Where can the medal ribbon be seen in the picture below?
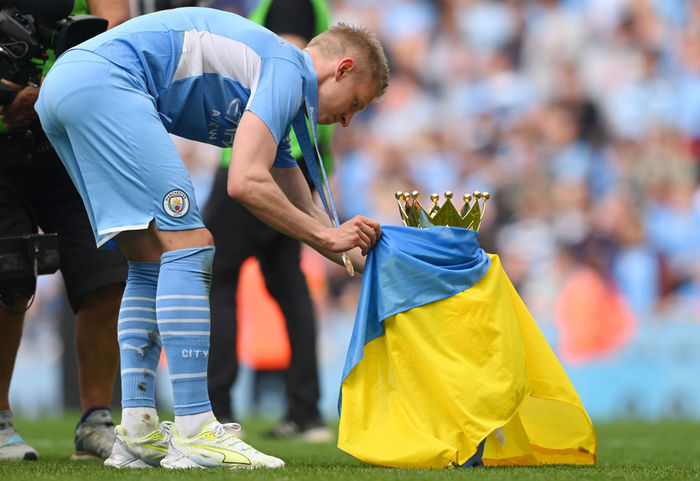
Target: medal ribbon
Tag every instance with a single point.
(307, 149)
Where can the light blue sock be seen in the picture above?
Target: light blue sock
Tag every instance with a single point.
(139, 341)
(182, 307)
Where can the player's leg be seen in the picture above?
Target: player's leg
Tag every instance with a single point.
(140, 441)
(101, 148)
(182, 306)
(142, 178)
(182, 309)
(197, 439)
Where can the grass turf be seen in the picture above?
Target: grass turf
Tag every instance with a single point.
(627, 450)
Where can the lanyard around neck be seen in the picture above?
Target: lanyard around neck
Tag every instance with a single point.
(314, 163)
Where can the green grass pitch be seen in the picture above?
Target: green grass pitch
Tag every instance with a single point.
(627, 450)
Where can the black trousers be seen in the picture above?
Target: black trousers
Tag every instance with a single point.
(238, 235)
(35, 191)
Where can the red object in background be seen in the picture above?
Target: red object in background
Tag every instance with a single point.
(593, 318)
(263, 343)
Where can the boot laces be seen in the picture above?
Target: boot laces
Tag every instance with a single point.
(224, 432)
(164, 428)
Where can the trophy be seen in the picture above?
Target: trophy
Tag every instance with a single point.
(413, 214)
(446, 367)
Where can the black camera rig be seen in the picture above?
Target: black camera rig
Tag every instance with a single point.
(28, 255)
(22, 259)
(30, 27)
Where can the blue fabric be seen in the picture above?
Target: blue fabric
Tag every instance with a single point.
(117, 153)
(410, 267)
(188, 71)
(182, 307)
(233, 55)
(137, 332)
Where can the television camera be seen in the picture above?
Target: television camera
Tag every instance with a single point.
(28, 28)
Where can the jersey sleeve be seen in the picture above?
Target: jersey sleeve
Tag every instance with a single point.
(278, 96)
(284, 158)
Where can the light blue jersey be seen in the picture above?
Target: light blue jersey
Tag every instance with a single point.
(108, 104)
(204, 67)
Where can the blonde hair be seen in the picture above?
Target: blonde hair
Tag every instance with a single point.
(343, 39)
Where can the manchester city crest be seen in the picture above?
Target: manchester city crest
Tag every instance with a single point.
(176, 203)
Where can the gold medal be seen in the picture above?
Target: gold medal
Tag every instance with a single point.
(348, 265)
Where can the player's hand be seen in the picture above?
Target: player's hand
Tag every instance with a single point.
(359, 231)
(20, 113)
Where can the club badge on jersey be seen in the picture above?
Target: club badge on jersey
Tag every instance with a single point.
(176, 203)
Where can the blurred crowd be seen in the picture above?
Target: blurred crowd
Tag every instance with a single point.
(580, 117)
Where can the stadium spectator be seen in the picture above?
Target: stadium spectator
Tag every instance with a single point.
(554, 109)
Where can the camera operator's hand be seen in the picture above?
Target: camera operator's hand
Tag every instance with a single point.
(20, 113)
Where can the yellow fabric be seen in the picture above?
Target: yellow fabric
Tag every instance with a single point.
(446, 375)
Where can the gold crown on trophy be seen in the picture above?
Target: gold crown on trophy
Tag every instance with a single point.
(468, 217)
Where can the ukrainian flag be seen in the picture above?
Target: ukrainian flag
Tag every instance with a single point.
(444, 355)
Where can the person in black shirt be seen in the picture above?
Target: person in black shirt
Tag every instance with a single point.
(238, 235)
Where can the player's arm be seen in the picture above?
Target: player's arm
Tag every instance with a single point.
(251, 183)
(293, 184)
(115, 11)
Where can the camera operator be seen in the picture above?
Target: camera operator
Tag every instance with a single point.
(36, 192)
